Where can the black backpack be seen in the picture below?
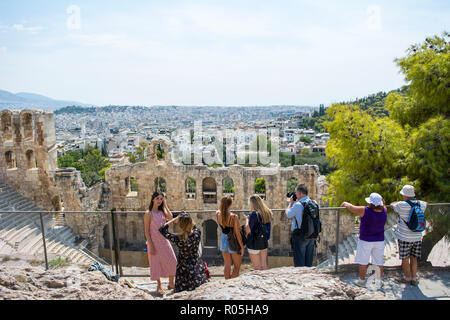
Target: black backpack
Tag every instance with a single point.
(257, 240)
(311, 224)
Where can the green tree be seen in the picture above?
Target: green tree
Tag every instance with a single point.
(89, 162)
(411, 145)
(305, 139)
(160, 154)
(367, 153)
(228, 185)
(192, 185)
(260, 185)
(132, 158)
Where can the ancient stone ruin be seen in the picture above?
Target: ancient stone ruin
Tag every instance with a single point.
(28, 164)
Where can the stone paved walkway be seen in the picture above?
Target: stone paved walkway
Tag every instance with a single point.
(433, 285)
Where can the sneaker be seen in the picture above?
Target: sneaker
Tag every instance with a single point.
(379, 283)
(415, 282)
(360, 283)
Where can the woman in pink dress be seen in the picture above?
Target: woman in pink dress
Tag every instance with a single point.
(161, 257)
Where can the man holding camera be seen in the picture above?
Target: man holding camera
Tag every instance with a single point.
(303, 248)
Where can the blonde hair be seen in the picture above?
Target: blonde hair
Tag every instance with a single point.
(224, 208)
(257, 204)
(186, 226)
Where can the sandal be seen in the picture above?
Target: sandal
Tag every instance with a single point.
(403, 280)
(161, 292)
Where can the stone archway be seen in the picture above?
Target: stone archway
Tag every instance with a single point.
(210, 232)
(209, 190)
(6, 125)
(27, 123)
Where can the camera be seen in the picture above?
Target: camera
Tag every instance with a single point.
(290, 194)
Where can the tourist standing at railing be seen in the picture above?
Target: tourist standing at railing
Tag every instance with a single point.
(191, 272)
(229, 222)
(303, 249)
(371, 236)
(409, 242)
(258, 225)
(161, 257)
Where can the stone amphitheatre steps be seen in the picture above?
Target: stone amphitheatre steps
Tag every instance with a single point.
(21, 232)
(347, 249)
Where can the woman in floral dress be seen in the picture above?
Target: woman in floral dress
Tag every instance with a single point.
(190, 270)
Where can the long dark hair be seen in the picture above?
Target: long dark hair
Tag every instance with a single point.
(224, 208)
(156, 194)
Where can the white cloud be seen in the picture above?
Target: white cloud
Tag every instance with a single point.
(104, 40)
(3, 50)
(21, 28)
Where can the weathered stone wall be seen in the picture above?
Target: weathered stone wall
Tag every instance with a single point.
(131, 229)
(28, 155)
(75, 196)
(28, 164)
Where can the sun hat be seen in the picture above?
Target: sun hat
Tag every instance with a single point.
(375, 199)
(407, 191)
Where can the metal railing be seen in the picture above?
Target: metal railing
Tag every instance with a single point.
(114, 231)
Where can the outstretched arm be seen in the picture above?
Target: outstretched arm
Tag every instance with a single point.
(354, 209)
(167, 213)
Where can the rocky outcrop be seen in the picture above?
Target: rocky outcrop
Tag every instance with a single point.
(286, 283)
(19, 280)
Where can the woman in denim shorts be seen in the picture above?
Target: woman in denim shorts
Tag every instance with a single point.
(229, 222)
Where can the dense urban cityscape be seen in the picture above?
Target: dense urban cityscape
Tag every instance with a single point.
(119, 130)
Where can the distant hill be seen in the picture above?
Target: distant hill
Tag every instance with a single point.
(25, 100)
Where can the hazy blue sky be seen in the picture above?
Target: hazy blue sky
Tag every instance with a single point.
(254, 52)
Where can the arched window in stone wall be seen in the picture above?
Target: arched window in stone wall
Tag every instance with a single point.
(131, 186)
(10, 160)
(31, 159)
(228, 187)
(260, 188)
(276, 235)
(210, 231)
(26, 120)
(190, 188)
(160, 184)
(6, 126)
(160, 152)
(209, 190)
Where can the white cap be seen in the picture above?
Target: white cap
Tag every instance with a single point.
(375, 199)
(408, 191)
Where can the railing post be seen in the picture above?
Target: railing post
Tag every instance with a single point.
(116, 242)
(338, 219)
(43, 240)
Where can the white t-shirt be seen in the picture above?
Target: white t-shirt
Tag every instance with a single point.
(403, 232)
